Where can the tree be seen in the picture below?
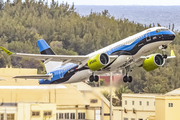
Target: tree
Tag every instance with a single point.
(120, 90)
(115, 101)
(101, 82)
(106, 94)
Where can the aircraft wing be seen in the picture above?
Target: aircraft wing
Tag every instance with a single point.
(61, 58)
(168, 57)
(34, 77)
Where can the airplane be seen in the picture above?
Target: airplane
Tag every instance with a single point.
(123, 54)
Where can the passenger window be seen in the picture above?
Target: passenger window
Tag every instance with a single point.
(157, 31)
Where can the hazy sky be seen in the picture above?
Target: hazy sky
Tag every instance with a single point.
(122, 2)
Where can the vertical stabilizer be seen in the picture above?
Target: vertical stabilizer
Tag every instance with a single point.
(44, 48)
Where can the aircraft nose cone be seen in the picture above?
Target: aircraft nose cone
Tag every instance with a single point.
(172, 35)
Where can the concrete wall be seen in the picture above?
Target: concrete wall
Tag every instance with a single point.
(164, 111)
(106, 110)
(133, 109)
(25, 111)
(160, 108)
(117, 113)
(6, 75)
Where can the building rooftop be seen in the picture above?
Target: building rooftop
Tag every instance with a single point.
(174, 92)
(34, 87)
(65, 94)
(140, 95)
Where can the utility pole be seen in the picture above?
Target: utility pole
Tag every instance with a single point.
(110, 95)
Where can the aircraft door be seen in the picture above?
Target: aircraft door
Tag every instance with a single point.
(61, 73)
(148, 36)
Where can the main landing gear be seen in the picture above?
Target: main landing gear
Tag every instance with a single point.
(94, 78)
(127, 78)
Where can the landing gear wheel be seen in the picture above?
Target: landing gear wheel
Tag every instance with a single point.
(130, 79)
(96, 78)
(91, 78)
(125, 79)
(165, 56)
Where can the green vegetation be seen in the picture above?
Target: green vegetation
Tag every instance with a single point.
(117, 99)
(120, 90)
(68, 33)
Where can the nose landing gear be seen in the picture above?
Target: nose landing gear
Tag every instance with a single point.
(163, 48)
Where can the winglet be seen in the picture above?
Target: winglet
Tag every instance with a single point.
(5, 50)
(172, 53)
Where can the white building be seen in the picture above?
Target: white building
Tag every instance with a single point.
(138, 106)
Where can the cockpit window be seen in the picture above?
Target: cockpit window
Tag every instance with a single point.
(162, 29)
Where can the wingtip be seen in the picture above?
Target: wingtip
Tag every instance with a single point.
(172, 53)
(5, 50)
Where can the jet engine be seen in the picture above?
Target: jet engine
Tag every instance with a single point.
(98, 61)
(153, 62)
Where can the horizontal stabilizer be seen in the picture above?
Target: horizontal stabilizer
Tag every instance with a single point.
(34, 77)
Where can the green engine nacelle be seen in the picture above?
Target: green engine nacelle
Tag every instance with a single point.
(98, 61)
(153, 62)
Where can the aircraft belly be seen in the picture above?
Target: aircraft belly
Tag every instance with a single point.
(121, 62)
(124, 60)
(79, 76)
(148, 48)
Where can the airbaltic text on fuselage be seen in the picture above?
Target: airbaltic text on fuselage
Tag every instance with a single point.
(92, 61)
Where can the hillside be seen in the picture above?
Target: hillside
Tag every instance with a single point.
(68, 33)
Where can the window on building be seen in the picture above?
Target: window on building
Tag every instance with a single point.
(125, 118)
(125, 102)
(140, 102)
(93, 101)
(132, 118)
(35, 113)
(81, 115)
(132, 102)
(56, 116)
(140, 119)
(2, 117)
(66, 115)
(47, 113)
(10, 116)
(72, 115)
(170, 104)
(154, 104)
(60, 115)
(147, 103)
